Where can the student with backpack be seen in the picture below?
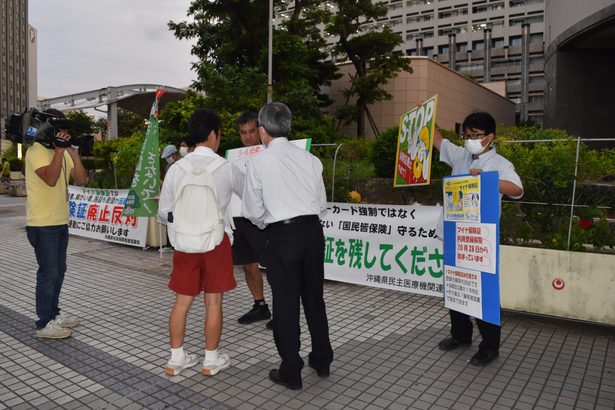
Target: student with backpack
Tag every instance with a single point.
(193, 204)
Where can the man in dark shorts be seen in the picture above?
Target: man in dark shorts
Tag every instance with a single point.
(249, 243)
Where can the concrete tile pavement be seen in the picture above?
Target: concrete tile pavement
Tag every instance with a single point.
(385, 344)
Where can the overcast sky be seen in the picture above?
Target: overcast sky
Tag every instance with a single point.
(89, 44)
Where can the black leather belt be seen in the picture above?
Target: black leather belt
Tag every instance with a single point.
(297, 220)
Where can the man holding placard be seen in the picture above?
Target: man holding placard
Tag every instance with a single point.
(476, 157)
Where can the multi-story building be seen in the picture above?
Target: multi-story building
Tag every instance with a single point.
(579, 67)
(15, 37)
(486, 40)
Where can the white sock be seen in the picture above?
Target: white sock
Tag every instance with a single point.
(177, 355)
(211, 356)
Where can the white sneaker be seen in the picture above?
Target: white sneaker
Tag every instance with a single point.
(222, 362)
(66, 321)
(175, 368)
(53, 331)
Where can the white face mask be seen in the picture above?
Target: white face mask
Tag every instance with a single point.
(170, 160)
(183, 151)
(474, 147)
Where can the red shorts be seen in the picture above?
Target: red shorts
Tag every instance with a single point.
(211, 272)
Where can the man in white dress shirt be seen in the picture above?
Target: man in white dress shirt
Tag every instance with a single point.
(284, 191)
(210, 272)
(478, 156)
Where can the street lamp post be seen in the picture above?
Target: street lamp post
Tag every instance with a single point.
(269, 55)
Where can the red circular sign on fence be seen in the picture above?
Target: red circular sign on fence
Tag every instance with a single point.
(558, 284)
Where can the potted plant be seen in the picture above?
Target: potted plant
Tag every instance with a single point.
(16, 167)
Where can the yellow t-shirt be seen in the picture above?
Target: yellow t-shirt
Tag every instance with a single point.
(46, 206)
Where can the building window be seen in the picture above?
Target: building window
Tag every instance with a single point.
(478, 45)
(536, 38)
(453, 30)
(517, 3)
(394, 22)
(480, 26)
(412, 35)
(540, 80)
(396, 5)
(411, 3)
(537, 60)
(453, 13)
(419, 18)
(507, 63)
(467, 67)
(515, 41)
(515, 98)
(537, 99)
(517, 21)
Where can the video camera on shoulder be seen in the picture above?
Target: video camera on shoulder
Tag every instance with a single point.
(42, 127)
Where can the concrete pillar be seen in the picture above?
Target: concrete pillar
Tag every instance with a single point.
(419, 46)
(112, 131)
(487, 56)
(525, 71)
(452, 50)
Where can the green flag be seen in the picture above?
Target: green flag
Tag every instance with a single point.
(142, 198)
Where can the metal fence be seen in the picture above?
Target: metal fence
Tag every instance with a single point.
(532, 204)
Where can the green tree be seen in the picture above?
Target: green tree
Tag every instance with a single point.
(547, 170)
(93, 124)
(82, 118)
(301, 54)
(371, 49)
(174, 122)
(129, 123)
(100, 126)
(232, 44)
(228, 32)
(174, 117)
(230, 37)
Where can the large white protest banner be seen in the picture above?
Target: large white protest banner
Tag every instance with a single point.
(385, 246)
(98, 214)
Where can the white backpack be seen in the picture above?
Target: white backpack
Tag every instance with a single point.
(197, 224)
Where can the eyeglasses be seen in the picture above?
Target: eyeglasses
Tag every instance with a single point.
(472, 136)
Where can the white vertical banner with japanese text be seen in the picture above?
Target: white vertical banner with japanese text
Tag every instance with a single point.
(384, 246)
(98, 214)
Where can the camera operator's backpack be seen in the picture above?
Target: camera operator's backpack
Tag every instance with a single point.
(197, 225)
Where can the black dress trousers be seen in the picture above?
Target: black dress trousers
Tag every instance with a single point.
(295, 271)
(461, 329)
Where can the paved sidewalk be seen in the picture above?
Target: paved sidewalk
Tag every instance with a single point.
(385, 345)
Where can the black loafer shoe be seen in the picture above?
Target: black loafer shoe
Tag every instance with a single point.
(322, 372)
(274, 376)
(483, 358)
(451, 343)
